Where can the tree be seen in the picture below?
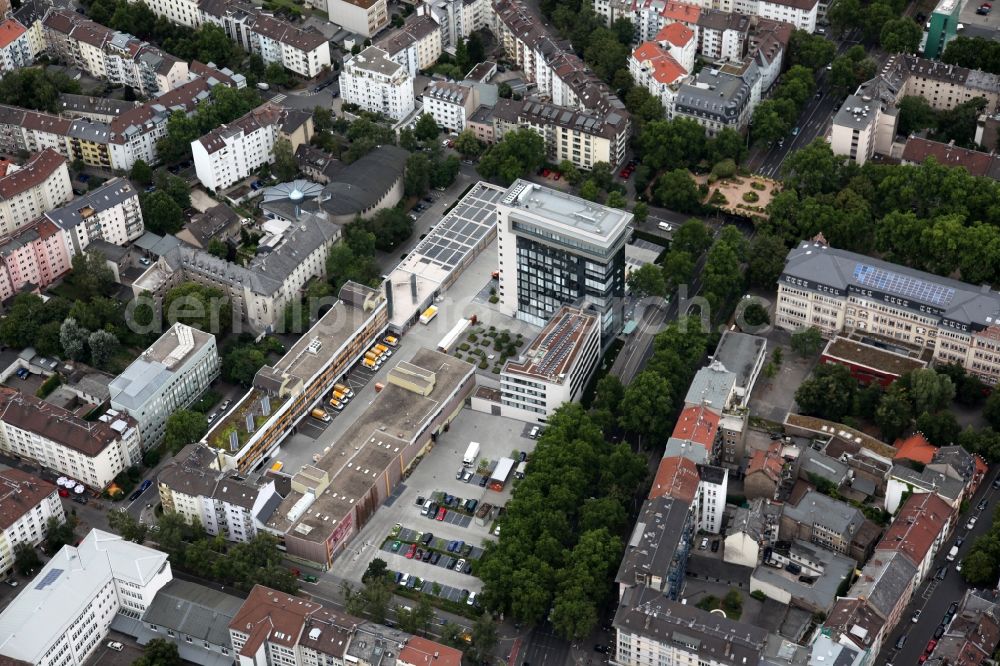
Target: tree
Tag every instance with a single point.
(813, 169)
(940, 429)
(646, 405)
(974, 53)
(26, 559)
(127, 526)
(73, 339)
(828, 393)
(377, 568)
(901, 35)
(770, 120)
(640, 211)
(159, 652)
(160, 213)
(504, 90)
(141, 173)
(91, 274)
(467, 145)
(676, 190)
(484, 638)
(728, 144)
(811, 51)
(616, 200)
(205, 308)
(59, 533)
(678, 267)
(276, 75)
(845, 15)
(894, 414)
(671, 144)
(242, 363)
(417, 178)
(103, 346)
(519, 152)
(991, 410)
(445, 171)
(570, 173)
(285, 166)
(647, 280)
(979, 569)
(766, 260)
(184, 427)
(755, 315)
(807, 342)
(425, 128)
(36, 88)
(930, 391)
(590, 191)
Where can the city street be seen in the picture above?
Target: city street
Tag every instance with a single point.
(934, 597)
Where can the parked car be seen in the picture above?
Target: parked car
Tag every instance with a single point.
(427, 538)
(460, 566)
(483, 481)
(971, 523)
(115, 645)
(225, 405)
(411, 551)
(715, 546)
(900, 642)
(939, 632)
(916, 615)
(396, 545)
(435, 558)
(703, 545)
(427, 555)
(941, 573)
(471, 601)
(442, 512)
(982, 505)
(931, 644)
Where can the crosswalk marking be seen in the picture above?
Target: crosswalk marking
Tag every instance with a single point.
(279, 98)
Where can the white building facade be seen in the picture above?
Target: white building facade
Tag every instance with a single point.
(232, 152)
(110, 213)
(39, 186)
(378, 84)
(81, 590)
(26, 504)
(168, 376)
(364, 17)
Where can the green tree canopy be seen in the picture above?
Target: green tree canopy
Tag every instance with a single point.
(184, 427)
(194, 304)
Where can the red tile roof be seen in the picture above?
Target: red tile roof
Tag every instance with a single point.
(676, 33)
(20, 492)
(976, 163)
(9, 31)
(917, 525)
(769, 462)
(34, 173)
(697, 424)
(676, 477)
(665, 68)
(681, 11)
(422, 652)
(915, 448)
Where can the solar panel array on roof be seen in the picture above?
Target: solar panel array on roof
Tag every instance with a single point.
(51, 576)
(903, 285)
(461, 230)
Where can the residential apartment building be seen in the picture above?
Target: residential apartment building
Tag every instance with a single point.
(657, 552)
(710, 502)
(654, 68)
(418, 44)
(803, 14)
(723, 35)
(115, 56)
(168, 376)
(36, 188)
(364, 17)
(377, 83)
(450, 103)
(865, 124)
(303, 51)
(555, 368)
(272, 627)
(973, 634)
(15, 46)
(232, 152)
(81, 589)
(109, 213)
(130, 135)
(26, 504)
(456, 19)
(258, 292)
(649, 16)
(223, 503)
(838, 291)
(821, 520)
(557, 249)
(32, 257)
(582, 137)
(918, 531)
(181, 12)
(91, 452)
(720, 98)
(653, 629)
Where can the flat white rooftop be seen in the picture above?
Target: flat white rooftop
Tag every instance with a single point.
(570, 213)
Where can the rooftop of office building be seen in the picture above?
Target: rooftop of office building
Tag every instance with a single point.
(571, 214)
(557, 347)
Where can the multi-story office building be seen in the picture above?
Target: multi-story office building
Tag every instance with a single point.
(110, 213)
(79, 592)
(582, 137)
(417, 45)
(450, 104)
(557, 249)
(91, 452)
(35, 254)
(301, 50)
(232, 152)
(26, 504)
(555, 368)
(168, 376)
(223, 503)
(377, 83)
(15, 46)
(39, 186)
(942, 27)
(836, 291)
(115, 56)
(364, 17)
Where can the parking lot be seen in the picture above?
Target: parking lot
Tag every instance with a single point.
(979, 25)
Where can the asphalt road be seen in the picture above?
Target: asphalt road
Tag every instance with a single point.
(934, 597)
(544, 647)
